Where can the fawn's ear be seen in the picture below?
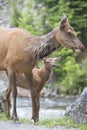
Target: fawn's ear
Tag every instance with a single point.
(57, 59)
(44, 59)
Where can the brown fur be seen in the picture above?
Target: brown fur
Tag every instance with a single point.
(20, 50)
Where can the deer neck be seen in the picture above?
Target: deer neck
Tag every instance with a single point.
(41, 47)
(45, 73)
(47, 45)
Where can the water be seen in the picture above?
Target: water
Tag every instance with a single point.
(49, 108)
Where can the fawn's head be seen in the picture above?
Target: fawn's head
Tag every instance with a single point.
(50, 62)
(66, 36)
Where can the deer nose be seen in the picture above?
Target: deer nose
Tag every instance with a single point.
(54, 66)
(78, 50)
(83, 49)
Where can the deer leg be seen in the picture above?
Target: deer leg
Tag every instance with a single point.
(8, 91)
(37, 100)
(34, 111)
(12, 84)
(29, 80)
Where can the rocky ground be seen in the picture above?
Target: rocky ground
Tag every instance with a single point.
(12, 126)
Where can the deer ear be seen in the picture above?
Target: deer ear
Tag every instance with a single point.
(44, 59)
(57, 58)
(64, 20)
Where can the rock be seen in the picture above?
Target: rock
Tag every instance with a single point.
(49, 92)
(4, 13)
(3, 88)
(78, 110)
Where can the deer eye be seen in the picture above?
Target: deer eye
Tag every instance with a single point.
(70, 33)
(47, 62)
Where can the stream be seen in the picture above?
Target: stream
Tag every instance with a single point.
(49, 107)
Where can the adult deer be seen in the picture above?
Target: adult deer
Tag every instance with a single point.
(20, 51)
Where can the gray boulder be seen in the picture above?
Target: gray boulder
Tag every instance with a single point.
(78, 110)
(3, 88)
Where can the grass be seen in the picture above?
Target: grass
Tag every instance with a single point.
(83, 127)
(67, 122)
(23, 120)
(3, 117)
(64, 121)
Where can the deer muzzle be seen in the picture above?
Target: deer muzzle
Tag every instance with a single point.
(77, 51)
(54, 66)
(82, 49)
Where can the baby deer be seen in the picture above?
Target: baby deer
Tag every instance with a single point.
(40, 77)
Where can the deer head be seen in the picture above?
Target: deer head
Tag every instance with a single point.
(51, 62)
(66, 36)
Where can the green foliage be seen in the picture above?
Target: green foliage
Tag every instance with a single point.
(84, 68)
(3, 117)
(15, 13)
(61, 7)
(1, 8)
(69, 73)
(60, 72)
(80, 18)
(29, 17)
(74, 78)
(51, 13)
(82, 126)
